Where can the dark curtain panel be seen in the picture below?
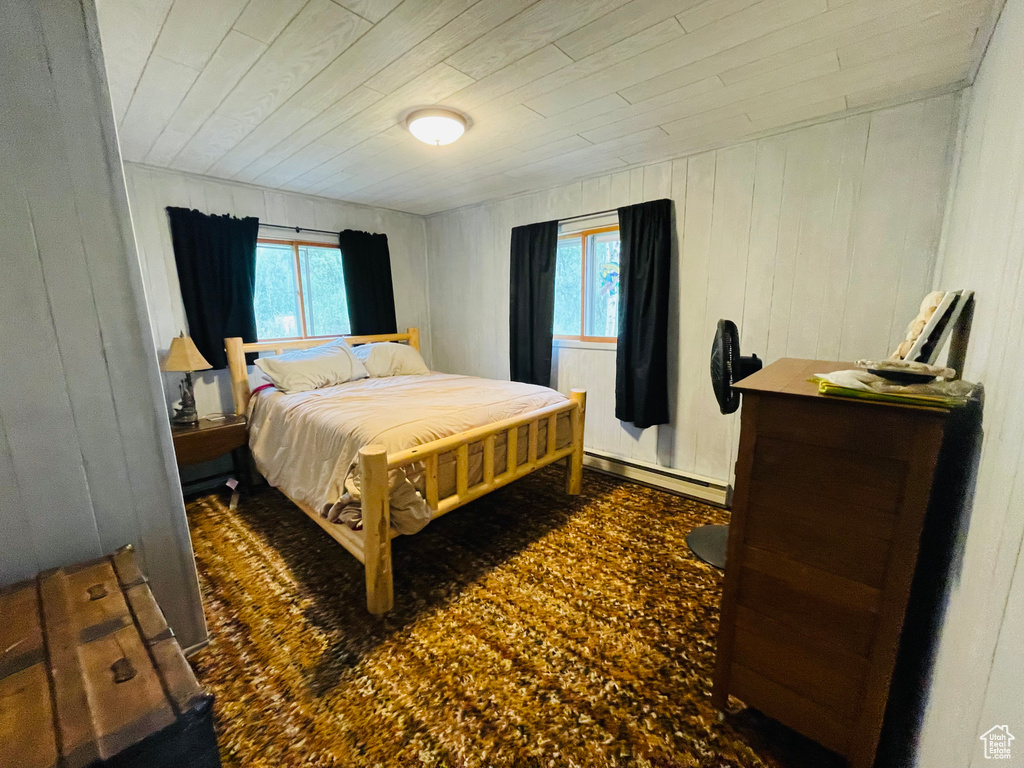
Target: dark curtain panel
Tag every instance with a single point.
(531, 311)
(216, 260)
(641, 357)
(366, 261)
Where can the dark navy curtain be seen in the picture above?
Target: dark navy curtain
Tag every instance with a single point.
(531, 311)
(216, 261)
(366, 262)
(641, 356)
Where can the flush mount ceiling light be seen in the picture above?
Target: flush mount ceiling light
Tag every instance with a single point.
(436, 126)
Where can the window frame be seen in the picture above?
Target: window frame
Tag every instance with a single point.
(297, 266)
(583, 236)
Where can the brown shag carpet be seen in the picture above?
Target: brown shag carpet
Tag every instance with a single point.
(530, 628)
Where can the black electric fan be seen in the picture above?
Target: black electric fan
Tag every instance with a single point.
(708, 542)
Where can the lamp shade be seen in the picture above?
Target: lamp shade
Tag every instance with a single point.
(183, 356)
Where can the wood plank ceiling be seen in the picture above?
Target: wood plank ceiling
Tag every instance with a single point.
(311, 95)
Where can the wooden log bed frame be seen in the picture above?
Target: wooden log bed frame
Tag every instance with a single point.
(372, 545)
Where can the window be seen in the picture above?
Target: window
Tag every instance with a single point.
(300, 291)
(587, 285)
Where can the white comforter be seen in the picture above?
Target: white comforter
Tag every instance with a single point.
(307, 444)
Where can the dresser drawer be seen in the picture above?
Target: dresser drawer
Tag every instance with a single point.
(812, 668)
(841, 427)
(814, 603)
(848, 539)
(829, 473)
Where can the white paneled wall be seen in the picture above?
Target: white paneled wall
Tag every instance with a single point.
(151, 191)
(819, 243)
(86, 462)
(979, 672)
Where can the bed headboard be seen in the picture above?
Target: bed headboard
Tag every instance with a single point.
(237, 350)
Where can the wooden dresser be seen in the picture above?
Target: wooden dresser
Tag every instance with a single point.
(829, 504)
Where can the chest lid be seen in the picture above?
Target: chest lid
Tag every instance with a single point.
(88, 647)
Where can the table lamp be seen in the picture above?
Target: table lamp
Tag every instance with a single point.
(183, 356)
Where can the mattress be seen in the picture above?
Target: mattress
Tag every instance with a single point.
(307, 444)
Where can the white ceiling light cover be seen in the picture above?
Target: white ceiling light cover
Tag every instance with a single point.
(436, 126)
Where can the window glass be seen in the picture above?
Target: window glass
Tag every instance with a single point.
(568, 287)
(323, 291)
(276, 298)
(300, 291)
(602, 284)
(587, 285)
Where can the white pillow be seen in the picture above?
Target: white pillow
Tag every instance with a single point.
(386, 358)
(304, 369)
(257, 378)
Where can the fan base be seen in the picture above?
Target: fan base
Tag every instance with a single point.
(709, 544)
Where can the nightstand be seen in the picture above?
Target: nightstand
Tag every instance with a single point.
(212, 438)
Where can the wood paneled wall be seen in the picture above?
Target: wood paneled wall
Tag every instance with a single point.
(979, 674)
(819, 242)
(86, 463)
(150, 191)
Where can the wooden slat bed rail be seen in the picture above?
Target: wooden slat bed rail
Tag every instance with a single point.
(458, 445)
(475, 435)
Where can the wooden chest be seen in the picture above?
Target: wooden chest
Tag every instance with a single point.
(829, 505)
(90, 674)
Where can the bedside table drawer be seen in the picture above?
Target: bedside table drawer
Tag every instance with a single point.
(208, 441)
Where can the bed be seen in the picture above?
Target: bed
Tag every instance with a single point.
(373, 459)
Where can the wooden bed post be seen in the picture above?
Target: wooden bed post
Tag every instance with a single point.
(376, 504)
(414, 338)
(239, 374)
(574, 467)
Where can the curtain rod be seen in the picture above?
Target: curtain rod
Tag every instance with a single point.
(300, 229)
(331, 232)
(589, 215)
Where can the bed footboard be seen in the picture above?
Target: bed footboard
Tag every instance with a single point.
(375, 464)
(537, 455)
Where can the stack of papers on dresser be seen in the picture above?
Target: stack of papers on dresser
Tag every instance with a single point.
(863, 385)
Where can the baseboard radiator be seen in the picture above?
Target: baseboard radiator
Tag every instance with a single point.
(672, 480)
